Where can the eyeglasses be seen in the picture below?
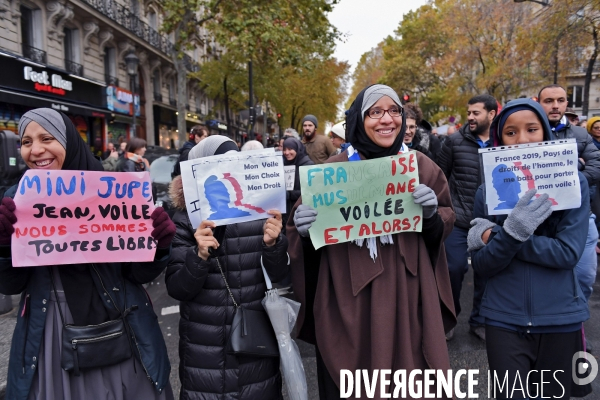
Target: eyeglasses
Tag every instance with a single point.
(378, 113)
(411, 127)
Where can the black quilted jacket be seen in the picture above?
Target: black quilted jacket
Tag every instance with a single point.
(206, 371)
(459, 159)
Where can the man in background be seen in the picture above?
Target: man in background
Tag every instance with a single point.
(318, 147)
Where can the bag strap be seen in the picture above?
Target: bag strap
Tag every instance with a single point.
(267, 280)
(121, 313)
(235, 304)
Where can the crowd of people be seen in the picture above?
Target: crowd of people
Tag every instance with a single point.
(389, 302)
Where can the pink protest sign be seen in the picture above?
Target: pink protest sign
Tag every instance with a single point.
(80, 217)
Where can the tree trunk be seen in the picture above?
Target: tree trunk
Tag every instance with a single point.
(181, 100)
(556, 62)
(588, 73)
(181, 84)
(227, 116)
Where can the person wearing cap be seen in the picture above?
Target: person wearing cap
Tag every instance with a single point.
(593, 128)
(572, 116)
(317, 146)
(533, 306)
(553, 99)
(194, 277)
(337, 134)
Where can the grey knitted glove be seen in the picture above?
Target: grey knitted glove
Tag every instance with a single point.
(526, 217)
(427, 198)
(304, 218)
(478, 227)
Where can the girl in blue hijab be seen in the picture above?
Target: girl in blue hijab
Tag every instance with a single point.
(533, 304)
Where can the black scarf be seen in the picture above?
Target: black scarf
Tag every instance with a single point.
(357, 136)
(84, 301)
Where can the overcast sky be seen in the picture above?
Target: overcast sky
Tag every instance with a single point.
(366, 23)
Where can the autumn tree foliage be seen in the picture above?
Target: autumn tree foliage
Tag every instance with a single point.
(446, 51)
(278, 36)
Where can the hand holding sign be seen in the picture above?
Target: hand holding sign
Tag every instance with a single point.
(304, 218)
(272, 228)
(527, 215)
(7, 219)
(164, 228)
(427, 198)
(205, 239)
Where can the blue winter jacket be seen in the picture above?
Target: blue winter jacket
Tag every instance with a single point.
(533, 283)
(35, 286)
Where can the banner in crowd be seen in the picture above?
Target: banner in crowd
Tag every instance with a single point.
(549, 167)
(290, 176)
(233, 187)
(81, 217)
(362, 199)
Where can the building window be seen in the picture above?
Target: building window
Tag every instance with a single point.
(171, 90)
(135, 7)
(152, 20)
(198, 103)
(575, 96)
(156, 85)
(110, 66)
(31, 34)
(72, 54)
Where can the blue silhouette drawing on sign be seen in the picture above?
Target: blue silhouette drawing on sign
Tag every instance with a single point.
(218, 199)
(507, 187)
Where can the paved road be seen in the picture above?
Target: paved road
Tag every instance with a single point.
(466, 351)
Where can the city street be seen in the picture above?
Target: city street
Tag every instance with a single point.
(466, 351)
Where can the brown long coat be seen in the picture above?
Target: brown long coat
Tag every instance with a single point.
(389, 314)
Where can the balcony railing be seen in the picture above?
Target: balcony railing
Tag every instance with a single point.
(73, 68)
(190, 64)
(111, 80)
(157, 96)
(128, 20)
(33, 54)
(583, 69)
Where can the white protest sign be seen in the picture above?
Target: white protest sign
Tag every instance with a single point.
(233, 187)
(549, 167)
(290, 176)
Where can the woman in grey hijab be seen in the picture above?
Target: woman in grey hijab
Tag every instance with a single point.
(50, 141)
(383, 302)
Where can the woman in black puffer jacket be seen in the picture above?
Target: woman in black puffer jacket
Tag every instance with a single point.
(206, 370)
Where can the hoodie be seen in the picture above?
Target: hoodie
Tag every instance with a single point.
(532, 285)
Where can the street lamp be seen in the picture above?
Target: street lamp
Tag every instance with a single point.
(132, 61)
(542, 2)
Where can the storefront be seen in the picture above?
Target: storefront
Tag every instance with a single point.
(122, 103)
(165, 128)
(25, 85)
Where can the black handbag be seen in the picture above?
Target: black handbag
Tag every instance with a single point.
(94, 346)
(251, 331)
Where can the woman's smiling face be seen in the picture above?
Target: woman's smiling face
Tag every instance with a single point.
(383, 131)
(41, 150)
